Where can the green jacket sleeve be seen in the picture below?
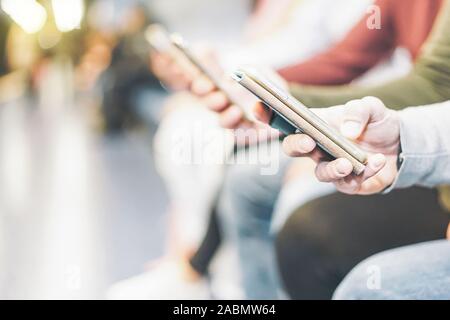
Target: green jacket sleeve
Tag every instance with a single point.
(429, 81)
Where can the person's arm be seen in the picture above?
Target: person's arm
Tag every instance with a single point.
(428, 83)
(357, 53)
(425, 146)
(406, 148)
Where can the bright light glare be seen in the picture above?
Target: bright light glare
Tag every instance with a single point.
(68, 14)
(28, 14)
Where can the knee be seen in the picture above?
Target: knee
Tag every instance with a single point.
(242, 188)
(247, 199)
(412, 272)
(364, 282)
(241, 181)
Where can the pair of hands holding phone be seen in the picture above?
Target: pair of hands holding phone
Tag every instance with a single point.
(367, 122)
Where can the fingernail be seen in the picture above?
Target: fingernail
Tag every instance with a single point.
(343, 166)
(351, 129)
(305, 144)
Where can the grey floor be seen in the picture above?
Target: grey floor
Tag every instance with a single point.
(78, 210)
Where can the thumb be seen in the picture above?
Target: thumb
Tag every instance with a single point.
(352, 129)
(360, 113)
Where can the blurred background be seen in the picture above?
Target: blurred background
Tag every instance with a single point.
(81, 205)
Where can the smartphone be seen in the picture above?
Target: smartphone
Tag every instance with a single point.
(175, 46)
(158, 38)
(291, 116)
(181, 45)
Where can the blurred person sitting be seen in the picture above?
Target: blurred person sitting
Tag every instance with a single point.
(327, 237)
(127, 75)
(4, 27)
(426, 22)
(356, 54)
(310, 17)
(190, 187)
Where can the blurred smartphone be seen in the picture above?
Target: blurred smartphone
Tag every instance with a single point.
(293, 117)
(160, 41)
(174, 45)
(158, 38)
(181, 45)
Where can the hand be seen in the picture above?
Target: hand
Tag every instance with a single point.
(169, 72)
(231, 115)
(374, 128)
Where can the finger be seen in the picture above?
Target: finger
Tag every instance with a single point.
(202, 86)
(216, 101)
(159, 60)
(374, 164)
(358, 113)
(371, 186)
(366, 183)
(348, 185)
(298, 145)
(334, 170)
(381, 180)
(175, 70)
(231, 117)
(262, 112)
(159, 65)
(318, 155)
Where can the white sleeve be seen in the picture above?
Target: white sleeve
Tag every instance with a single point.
(425, 143)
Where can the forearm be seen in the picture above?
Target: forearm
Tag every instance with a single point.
(425, 145)
(428, 83)
(412, 90)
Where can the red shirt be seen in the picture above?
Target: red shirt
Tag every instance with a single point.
(404, 23)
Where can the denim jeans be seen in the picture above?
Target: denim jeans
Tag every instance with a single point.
(245, 210)
(419, 272)
(248, 205)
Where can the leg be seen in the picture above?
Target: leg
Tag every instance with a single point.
(202, 258)
(301, 188)
(327, 237)
(192, 182)
(245, 208)
(415, 272)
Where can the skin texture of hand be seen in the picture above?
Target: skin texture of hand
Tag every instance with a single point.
(231, 115)
(370, 125)
(176, 76)
(169, 72)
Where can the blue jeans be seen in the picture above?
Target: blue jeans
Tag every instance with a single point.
(252, 208)
(419, 272)
(245, 210)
